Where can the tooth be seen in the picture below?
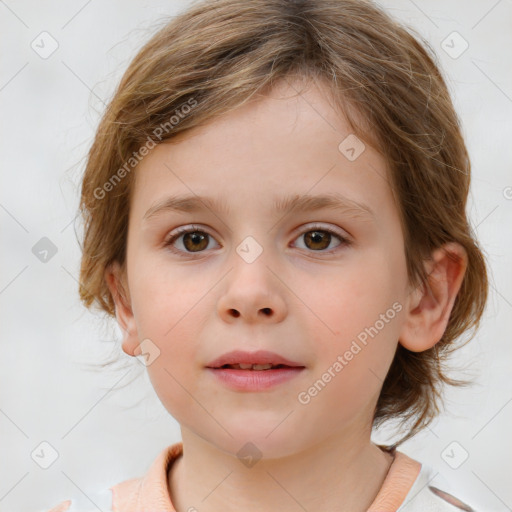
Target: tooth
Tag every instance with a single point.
(261, 366)
(242, 366)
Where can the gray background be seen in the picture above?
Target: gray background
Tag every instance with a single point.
(108, 425)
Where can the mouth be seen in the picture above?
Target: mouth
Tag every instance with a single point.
(244, 371)
(245, 377)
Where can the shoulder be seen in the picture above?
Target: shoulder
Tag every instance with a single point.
(92, 502)
(132, 495)
(431, 492)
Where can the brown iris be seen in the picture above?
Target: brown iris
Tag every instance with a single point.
(195, 240)
(318, 237)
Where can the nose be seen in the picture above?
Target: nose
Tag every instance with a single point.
(254, 294)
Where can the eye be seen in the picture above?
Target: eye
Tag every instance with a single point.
(194, 240)
(317, 238)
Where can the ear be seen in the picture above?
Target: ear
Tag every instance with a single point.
(428, 307)
(115, 278)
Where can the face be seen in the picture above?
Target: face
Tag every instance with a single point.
(311, 285)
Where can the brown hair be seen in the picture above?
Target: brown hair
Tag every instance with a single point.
(215, 56)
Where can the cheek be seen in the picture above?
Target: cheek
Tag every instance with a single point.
(171, 316)
(173, 328)
(352, 299)
(357, 315)
(164, 298)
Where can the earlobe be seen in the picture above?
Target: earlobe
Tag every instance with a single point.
(429, 306)
(115, 277)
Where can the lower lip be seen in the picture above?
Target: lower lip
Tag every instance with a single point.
(255, 380)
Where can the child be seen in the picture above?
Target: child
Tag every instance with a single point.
(274, 210)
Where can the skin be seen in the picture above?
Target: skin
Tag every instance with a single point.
(314, 456)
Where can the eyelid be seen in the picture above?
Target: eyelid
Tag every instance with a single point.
(322, 227)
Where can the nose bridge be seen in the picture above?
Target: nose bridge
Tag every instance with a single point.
(251, 260)
(253, 290)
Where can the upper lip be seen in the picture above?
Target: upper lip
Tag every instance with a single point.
(258, 357)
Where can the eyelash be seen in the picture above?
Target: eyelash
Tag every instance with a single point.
(344, 242)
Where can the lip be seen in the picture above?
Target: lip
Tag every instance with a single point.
(254, 380)
(258, 357)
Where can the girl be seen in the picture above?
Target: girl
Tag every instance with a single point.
(274, 209)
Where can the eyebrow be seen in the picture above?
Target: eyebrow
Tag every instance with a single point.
(291, 203)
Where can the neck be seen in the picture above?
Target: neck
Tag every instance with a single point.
(336, 474)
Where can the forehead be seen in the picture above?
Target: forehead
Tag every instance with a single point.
(290, 142)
